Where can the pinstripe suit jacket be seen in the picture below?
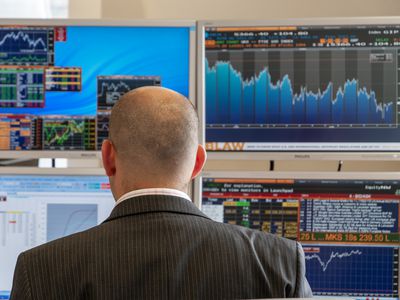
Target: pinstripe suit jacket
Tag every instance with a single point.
(162, 247)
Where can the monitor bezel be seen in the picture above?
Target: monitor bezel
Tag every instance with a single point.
(29, 171)
(190, 24)
(290, 155)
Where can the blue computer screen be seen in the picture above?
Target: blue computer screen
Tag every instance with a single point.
(55, 81)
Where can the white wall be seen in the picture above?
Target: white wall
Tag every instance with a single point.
(90, 9)
(124, 9)
(231, 9)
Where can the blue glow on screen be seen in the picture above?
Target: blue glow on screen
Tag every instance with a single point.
(147, 51)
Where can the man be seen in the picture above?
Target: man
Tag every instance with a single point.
(156, 244)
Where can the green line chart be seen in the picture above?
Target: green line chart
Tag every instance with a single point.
(63, 134)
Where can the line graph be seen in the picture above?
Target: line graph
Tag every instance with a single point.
(111, 88)
(103, 120)
(30, 45)
(66, 219)
(113, 91)
(33, 44)
(259, 99)
(334, 255)
(104, 126)
(345, 270)
(63, 134)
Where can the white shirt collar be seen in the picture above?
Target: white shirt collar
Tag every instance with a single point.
(153, 191)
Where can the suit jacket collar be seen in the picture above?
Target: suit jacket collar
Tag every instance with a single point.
(154, 203)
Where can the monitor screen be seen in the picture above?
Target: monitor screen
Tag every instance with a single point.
(35, 209)
(349, 229)
(58, 83)
(301, 88)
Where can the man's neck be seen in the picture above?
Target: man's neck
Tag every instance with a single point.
(153, 191)
(139, 187)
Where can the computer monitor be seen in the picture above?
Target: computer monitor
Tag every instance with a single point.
(59, 79)
(38, 207)
(327, 85)
(348, 224)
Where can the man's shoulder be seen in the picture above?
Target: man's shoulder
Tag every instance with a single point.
(258, 248)
(213, 232)
(63, 244)
(259, 239)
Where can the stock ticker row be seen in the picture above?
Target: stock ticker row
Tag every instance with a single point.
(262, 88)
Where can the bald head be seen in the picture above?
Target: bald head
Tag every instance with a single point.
(155, 134)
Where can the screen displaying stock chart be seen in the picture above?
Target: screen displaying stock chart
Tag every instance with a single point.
(59, 83)
(349, 229)
(302, 88)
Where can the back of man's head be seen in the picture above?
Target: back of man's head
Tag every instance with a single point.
(154, 132)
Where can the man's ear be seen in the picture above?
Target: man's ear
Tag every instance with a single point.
(201, 157)
(108, 155)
